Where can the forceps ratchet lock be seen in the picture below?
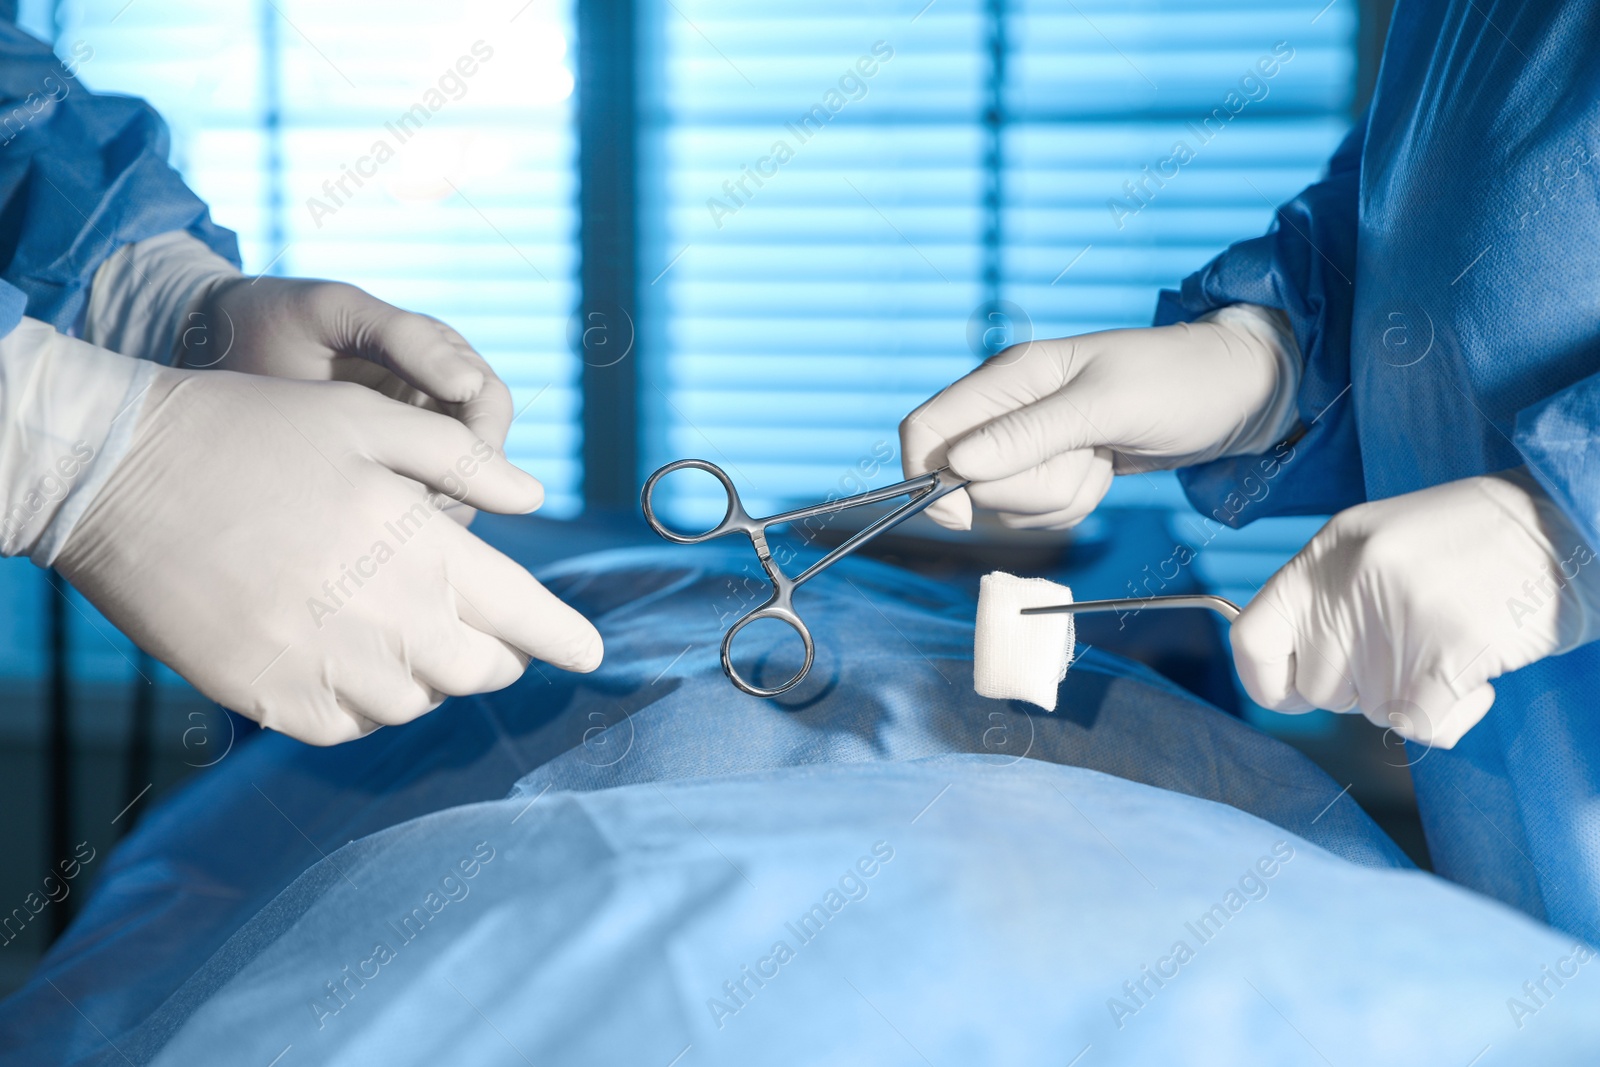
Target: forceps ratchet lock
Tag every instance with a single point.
(922, 490)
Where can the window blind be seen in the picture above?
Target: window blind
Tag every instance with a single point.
(423, 152)
(1007, 170)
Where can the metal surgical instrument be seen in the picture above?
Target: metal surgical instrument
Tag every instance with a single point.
(1221, 605)
(923, 490)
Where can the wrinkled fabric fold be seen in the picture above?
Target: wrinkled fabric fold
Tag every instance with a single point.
(892, 682)
(993, 911)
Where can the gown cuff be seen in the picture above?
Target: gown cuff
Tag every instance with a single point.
(67, 413)
(142, 301)
(1270, 330)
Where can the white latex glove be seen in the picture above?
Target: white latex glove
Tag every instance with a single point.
(300, 328)
(1405, 608)
(171, 299)
(1040, 428)
(64, 405)
(270, 541)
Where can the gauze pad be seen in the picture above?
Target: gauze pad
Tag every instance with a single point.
(1017, 656)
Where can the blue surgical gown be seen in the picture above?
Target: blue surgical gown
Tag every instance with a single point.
(81, 175)
(1443, 280)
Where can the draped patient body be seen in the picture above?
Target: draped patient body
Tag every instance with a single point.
(615, 867)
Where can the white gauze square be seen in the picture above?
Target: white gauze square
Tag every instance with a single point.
(1017, 656)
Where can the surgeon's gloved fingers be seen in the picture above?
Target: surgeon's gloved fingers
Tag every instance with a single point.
(922, 449)
(1324, 675)
(411, 346)
(1265, 655)
(1080, 416)
(1052, 486)
(1011, 379)
(388, 699)
(494, 594)
(488, 414)
(325, 731)
(317, 718)
(470, 662)
(1017, 376)
(1090, 491)
(1463, 716)
(922, 446)
(343, 681)
(444, 455)
(1432, 715)
(1065, 519)
(953, 511)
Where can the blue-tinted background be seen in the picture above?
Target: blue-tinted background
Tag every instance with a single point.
(973, 189)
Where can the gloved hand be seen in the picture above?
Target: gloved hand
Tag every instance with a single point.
(268, 540)
(317, 330)
(170, 299)
(1041, 427)
(1405, 608)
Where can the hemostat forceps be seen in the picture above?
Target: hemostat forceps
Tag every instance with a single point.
(923, 490)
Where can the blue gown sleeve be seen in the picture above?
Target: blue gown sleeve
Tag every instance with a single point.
(1304, 266)
(81, 175)
(1557, 438)
(13, 305)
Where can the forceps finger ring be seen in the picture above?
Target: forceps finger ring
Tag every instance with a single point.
(923, 490)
